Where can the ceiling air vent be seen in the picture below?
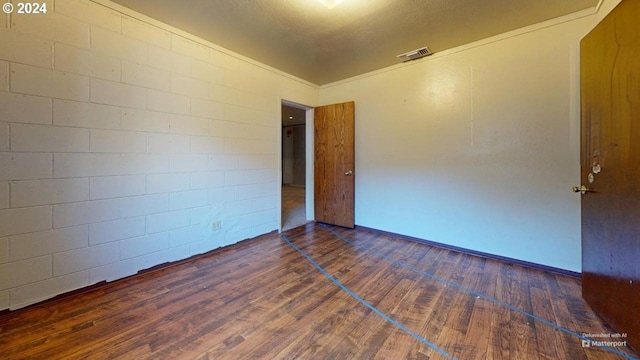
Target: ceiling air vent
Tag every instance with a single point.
(414, 54)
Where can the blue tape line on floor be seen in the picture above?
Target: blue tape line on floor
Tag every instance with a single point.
(364, 302)
(478, 294)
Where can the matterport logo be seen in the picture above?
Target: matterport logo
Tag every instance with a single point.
(604, 340)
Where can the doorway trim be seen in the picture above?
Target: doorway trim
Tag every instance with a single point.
(309, 149)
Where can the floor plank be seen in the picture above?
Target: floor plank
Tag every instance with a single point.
(380, 297)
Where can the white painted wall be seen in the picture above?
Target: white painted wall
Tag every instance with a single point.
(121, 140)
(287, 155)
(476, 147)
(293, 155)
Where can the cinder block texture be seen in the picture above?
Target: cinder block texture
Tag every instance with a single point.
(4, 195)
(55, 27)
(121, 140)
(118, 94)
(113, 44)
(4, 137)
(91, 13)
(4, 76)
(86, 62)
(49, 191)
(47, 242)
(32, 80)
(24, 220)
(18, 108)
(20, 166)
(39, 138)
(4, 250)
(25, 48)
(86, 115)
(145, 32)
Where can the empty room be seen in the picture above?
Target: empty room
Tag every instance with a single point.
(320, 179)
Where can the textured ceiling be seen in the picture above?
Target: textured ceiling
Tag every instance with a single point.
(320, 45)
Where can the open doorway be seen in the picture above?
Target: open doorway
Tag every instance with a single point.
(295, 165)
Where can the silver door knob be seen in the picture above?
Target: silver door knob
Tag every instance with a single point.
(348, 173)
(582, 189)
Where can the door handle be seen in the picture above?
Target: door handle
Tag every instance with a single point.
(348, 173)
(582, 189)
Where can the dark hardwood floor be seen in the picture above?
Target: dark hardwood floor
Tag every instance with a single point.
(317, 292)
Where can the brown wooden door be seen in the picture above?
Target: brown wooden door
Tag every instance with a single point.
(334, 164)
(610, 95)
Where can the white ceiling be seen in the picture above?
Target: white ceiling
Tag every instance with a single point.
(320, 45)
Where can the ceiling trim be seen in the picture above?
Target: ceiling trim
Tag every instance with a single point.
(153, 22)
(497, 38)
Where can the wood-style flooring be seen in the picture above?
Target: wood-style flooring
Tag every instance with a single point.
(317, 292)
(293, 207)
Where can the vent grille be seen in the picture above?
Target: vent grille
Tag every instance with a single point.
(414, 54)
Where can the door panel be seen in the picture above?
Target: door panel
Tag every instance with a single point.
(334, 164)
(610, 96)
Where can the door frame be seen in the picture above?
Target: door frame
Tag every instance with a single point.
(309, 159)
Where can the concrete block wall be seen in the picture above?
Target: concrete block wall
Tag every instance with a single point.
(122, 140)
